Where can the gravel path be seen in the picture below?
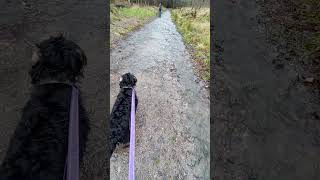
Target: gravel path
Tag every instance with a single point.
(266, 121)
(173, 112)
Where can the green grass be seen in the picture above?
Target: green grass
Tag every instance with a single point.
(196, 32)
(139, 12)
(142, 13)
(157, 161)
(127, 19)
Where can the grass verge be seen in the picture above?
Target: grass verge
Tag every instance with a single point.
(299, 24)
(127, 19)
(139, 12)
(196, 33)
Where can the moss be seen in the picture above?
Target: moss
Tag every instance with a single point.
(157, 161)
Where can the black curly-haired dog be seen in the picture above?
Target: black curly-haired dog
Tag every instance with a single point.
(120, 115)
(38, 148)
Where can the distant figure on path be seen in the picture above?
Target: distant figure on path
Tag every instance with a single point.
(160, 8)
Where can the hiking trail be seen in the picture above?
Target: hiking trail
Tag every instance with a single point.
(172, 120)
(266, 121)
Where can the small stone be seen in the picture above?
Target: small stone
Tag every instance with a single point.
(309, 80)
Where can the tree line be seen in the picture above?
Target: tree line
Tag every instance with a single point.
(168, 3)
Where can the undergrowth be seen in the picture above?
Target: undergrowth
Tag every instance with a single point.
(196, 33)
(140, 12)
(128, 18)
(299, 21)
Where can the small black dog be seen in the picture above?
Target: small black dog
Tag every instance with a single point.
(38, 148)
(120, 115)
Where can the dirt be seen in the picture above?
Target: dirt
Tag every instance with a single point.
(266, 121)
(292, 27)
(119, 29)
(172, 121)
(81, 21)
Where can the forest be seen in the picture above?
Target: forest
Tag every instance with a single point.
(168, 3)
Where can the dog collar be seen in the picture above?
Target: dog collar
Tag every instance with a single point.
(56, 82)
(126, 87)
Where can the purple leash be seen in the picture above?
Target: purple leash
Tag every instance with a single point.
(132, 137)
(71, 171)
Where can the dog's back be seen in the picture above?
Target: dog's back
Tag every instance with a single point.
(120, 115)
(120, 119)
(38, 148)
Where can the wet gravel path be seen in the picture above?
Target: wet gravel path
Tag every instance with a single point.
(266, 121)
(173, 111)
(81, 21)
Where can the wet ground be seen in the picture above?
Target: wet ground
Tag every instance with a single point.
(82, 21)
(173, 113)
(266, 121)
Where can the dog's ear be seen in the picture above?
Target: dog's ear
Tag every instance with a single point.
(35, 54)
(135, 79)
(78, 60)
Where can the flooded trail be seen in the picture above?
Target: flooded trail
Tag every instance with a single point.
(173, 113)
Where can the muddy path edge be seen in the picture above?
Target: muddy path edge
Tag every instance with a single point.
(264, 123)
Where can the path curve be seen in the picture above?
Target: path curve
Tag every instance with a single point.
(173, 112)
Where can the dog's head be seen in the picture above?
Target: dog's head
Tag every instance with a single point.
(57, 59)
(128, 80)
